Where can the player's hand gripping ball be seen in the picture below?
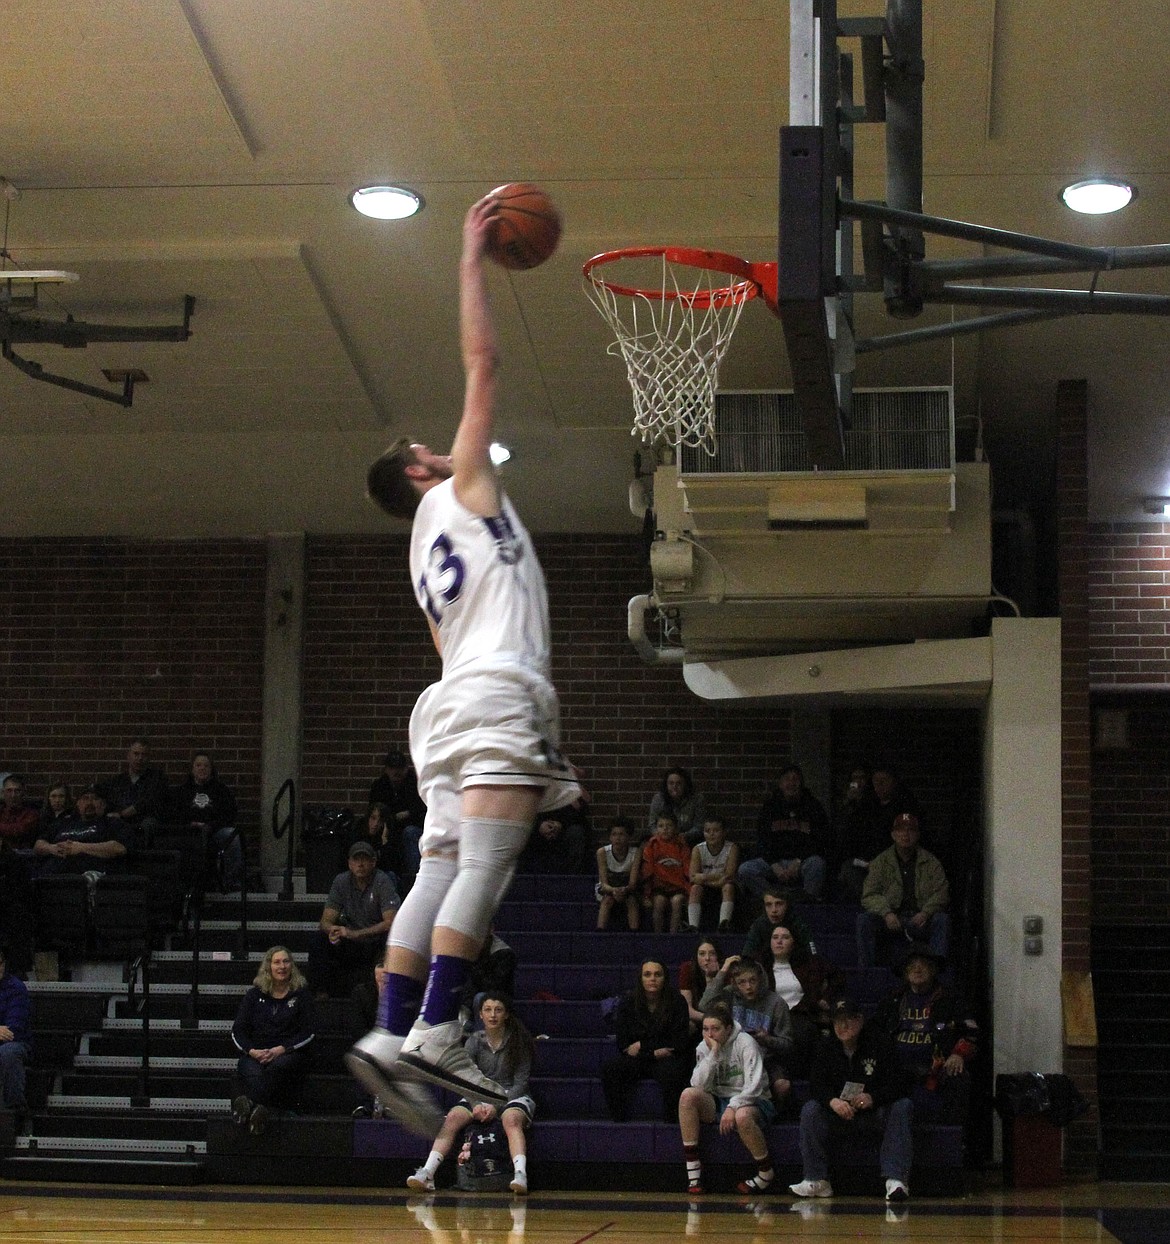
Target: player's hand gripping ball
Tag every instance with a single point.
(526, 227)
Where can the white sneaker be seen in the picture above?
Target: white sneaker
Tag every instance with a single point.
(896, 1191)
(519, 1184)
(436, 1054)
(812, 1187)
(373, 1063)
(420, 1181)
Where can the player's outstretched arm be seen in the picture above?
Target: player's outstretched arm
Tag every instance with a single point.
(475, 477)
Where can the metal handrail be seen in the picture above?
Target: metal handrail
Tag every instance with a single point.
(141, 967)
(280, 828)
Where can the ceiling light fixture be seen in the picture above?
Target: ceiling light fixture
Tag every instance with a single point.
(386, 202)
(1097, 196)
(1156, 505)
(499, 453)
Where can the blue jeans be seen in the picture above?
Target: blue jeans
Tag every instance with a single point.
(936, 933)
(756, 875)
(895, 1122)
(13, 1055)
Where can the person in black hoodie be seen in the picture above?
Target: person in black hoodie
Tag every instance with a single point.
(793, 841)
(654, 1042)
(858, 1086)
(206, 804)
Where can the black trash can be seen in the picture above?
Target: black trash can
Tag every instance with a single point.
(1034, 1108)
(325, 839)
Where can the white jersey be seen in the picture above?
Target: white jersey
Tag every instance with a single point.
(479, 581)
(709, 863)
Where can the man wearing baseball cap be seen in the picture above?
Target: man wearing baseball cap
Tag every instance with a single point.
(857, 1088)
(905, 896)
(357, 916)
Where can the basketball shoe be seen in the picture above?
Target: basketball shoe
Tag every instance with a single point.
(435, 1052)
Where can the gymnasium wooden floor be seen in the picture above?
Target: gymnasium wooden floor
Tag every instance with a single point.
(1126, 1213)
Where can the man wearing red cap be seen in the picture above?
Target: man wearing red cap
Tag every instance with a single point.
(905, 895)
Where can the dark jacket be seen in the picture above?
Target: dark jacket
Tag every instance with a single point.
(209, 803)
(779, 828)
(875, 1065)
(148, 796)
(927, 1028)
(14, 1008)
(263, 1022)
(669, 1025)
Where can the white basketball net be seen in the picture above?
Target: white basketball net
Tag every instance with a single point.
(672, 348)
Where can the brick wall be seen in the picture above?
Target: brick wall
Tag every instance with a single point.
(368, 655)
(104, 639)
(1131, 819)
(1129, 574)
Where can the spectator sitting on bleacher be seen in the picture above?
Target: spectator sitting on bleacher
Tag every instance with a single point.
(618, 863)
(678, 796)
(761, 1012)
(792, 839)
(935, 1037)
(665, 874)
(138, 796)
(694, 978)
(397, 791)
(57, 808)
(559, 843)
(807, 983)
(893, 797)
(15, 1037)
(859, 833)
(714, 863)
(654, 1042)
(18, 821)
(376, 831)
(204, 803)
(857, 1087)
(503, 1051)
(17, 906)
(352, 935)
(88, 842)
(905, 896)
(777, 911)
(729, 1086)
(273, 1031)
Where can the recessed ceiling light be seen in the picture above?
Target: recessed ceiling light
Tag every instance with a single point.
(499, 453)
(386, 202)
(1098, 195)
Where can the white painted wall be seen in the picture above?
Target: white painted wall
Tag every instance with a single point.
(1022, 809)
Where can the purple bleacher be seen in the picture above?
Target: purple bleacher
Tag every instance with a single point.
(552, 887)
(550, 922)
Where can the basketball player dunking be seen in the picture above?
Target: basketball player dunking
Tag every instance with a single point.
(484, 739)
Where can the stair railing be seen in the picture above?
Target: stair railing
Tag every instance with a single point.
(139, 968)
(280, 827)
(195, 915)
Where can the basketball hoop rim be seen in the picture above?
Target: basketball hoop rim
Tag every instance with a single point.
(753, 277)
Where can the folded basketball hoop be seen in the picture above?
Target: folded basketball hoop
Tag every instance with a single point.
(673, 328)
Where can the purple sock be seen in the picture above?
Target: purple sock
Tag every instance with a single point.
(399, 1003)
(445, 988)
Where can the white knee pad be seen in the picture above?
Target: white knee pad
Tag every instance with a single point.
(415, 919)
(488, 851)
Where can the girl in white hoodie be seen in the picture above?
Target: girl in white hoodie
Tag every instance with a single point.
(729, 1086)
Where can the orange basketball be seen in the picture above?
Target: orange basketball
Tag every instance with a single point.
(527, 226)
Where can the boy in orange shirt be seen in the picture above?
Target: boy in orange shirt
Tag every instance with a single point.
(665, 871)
